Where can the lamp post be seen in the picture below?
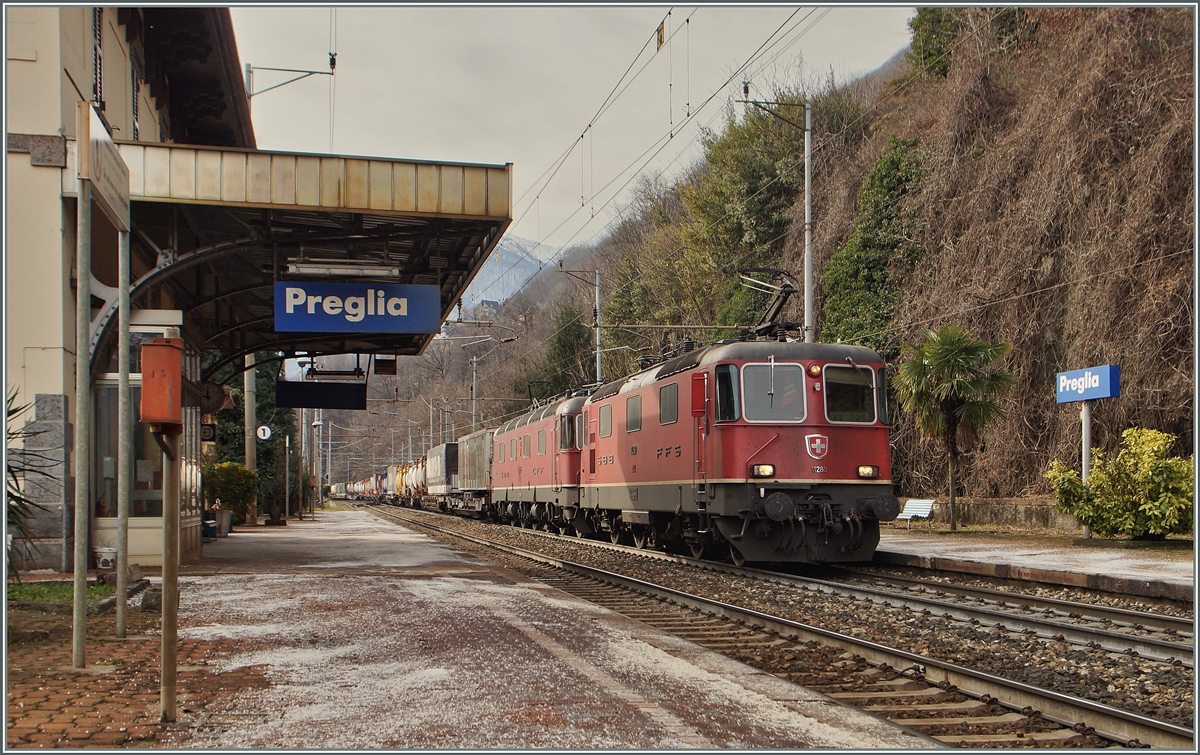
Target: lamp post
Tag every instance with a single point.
(287, 476)
(349, 459)
(595, 313)
(475, 364)
(317, 424)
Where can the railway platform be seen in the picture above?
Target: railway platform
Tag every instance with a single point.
(1051, 559)
(351, 632)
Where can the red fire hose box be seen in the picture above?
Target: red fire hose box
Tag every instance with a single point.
(162, 382)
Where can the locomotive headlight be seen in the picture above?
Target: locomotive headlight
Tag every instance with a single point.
(762, 470)
(868, 471)
(814, 369)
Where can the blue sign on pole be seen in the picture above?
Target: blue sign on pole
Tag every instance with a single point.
(1088, 384)
(302, 307)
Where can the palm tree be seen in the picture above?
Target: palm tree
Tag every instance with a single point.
(949, 384)
(21, 465)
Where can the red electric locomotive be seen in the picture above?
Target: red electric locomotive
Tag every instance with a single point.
(535, 466)
(779, 449)
(768, 449)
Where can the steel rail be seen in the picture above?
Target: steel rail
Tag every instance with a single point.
(1117, 642)
(1152, 648)
(1180, 624)
(1072, 712)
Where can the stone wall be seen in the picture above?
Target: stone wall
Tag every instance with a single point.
(1033, 513)
(48, 483)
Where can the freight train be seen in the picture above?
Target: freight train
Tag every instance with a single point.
(764, 450)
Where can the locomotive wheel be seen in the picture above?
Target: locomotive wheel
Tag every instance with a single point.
(697, 549)
(615, 536)
(645, 537)
(736, 556)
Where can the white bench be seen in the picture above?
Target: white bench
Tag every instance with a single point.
(917, 508)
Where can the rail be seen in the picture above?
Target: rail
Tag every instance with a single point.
(1069, 711)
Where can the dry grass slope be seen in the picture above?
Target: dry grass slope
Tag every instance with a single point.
(1056, 213)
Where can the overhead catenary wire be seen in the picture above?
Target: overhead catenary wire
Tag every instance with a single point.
(664, 140)
(966, 310)
(553, 169)
(661, 260)
(609, 101)
(660, 143)
(657, 147)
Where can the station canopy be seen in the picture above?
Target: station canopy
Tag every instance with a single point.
(213, 228)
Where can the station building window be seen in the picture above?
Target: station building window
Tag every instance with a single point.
(146, 470)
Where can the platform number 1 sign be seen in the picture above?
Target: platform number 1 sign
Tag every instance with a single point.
(264, 432)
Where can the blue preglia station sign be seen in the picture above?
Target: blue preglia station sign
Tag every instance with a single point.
(357, 308)
(1088, 384)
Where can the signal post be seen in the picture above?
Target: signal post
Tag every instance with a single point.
(162, 410)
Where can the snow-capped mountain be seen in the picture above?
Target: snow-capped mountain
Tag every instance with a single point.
(513, 262)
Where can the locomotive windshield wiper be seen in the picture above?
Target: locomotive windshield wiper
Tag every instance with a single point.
(861, 369)
(771, 384)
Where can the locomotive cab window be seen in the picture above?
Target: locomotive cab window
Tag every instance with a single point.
(727, 393)
(668, 404)
(633, 414)
(849, 394)
(605, 420)
(773, 392)
(541, 442)
(566, 432)
(881, 396)
(581, 430)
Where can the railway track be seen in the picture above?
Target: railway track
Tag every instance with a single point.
(957, 705)
(1157, 637)
(1170, 639)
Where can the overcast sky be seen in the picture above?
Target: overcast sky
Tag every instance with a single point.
(521, 84)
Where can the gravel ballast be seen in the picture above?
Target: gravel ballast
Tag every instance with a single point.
(1153, 689)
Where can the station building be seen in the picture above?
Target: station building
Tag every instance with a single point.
(215, 223)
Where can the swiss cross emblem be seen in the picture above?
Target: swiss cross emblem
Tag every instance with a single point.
(818, 445)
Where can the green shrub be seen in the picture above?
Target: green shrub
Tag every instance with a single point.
(862, 278)
(1141, 492)
(934, 32)
(236, 486)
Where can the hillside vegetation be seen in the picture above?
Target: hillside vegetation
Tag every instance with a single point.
(1029, 177)
(1026, 174)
